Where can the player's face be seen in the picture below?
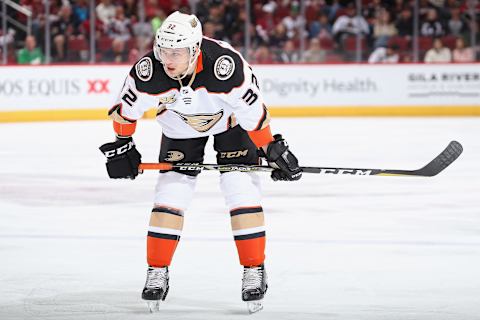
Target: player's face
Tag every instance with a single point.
(175, 60)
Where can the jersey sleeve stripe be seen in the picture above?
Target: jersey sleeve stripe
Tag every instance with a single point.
(124, 129)
(261, 137)
(264, 120)
(115, 113)
(122, 126)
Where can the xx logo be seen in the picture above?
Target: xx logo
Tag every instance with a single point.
(98, 86)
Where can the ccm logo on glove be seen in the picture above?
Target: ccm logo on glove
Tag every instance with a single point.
(122, 158)
(120, 150)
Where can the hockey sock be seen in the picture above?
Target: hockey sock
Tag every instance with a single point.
(249, 233)
(163, 235)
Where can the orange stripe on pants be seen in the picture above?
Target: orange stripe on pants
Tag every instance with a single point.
(251, 251)
(160, 251)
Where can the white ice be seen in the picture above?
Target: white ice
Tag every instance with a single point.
(72, 242)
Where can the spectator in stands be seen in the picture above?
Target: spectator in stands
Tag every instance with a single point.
(105, 11)
(30, 54)
(278, 37)
(293, 22)
(320, 27)
(349, 24)
(462, 53)
(456, 25)
(263, 55)
(209, 29)
(120, 31)
(215, 19)
(62, 30)
(99, 28)
(289, 54)
(201, 9)
(383, 28)
(233, 25)
(143, 33)
(332, 10)
(432, 27)
(372, 9)
(387, 54)
(80, 12)
(130, 9)
(8, 38)
(158, 19)
(231, 22)
(141, 41)
(38, 16)
(236, 33)
(404, 23)
(438, 53)
(169, 6)
(215, 14)
(314, 53)
(265, 18)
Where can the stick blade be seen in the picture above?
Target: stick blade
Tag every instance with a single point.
(443, 160)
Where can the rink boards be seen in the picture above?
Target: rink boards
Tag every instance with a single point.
(85, 92)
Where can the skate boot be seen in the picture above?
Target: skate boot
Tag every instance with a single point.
(156, 287)
(254, 287)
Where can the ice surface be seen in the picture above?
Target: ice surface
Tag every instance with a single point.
(72, 242)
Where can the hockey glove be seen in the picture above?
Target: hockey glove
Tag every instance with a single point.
(122, 158)
(285, 163)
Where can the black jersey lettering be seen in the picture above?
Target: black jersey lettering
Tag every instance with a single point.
(250, 97)
(129, 97)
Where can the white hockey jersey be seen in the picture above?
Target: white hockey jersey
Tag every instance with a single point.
(224, 92)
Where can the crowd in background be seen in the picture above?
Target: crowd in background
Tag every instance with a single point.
(328, 30)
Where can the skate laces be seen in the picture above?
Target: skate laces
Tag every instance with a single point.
(156, 277)
(252, 278)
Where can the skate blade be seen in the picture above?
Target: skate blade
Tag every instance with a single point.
(254, 306)
(153, 306)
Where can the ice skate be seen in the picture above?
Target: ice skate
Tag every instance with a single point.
(156, 287)
(254, 287)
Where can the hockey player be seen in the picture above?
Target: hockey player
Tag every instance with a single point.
(201, 87)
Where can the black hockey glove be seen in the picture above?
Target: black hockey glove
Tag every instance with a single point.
(122, 158)
(285, 163)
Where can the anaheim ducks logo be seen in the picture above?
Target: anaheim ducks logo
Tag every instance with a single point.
(201, 122)
(174, 155)
(193, 22)
(168, 99)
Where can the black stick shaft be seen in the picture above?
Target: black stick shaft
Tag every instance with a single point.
(434, 167)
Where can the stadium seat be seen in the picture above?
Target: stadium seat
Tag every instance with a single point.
(77, 44)
(350, 44)
(425, 43)
(77, 49)
(403, 43)
(326, 43)
(350, 48)
(104, 44)
(131, 43)
(449, 41)
(332, 57)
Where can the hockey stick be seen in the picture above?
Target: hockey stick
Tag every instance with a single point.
(434, 167)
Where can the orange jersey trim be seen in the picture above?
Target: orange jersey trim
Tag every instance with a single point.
(124, 129)
(261, 137)
(199, 63)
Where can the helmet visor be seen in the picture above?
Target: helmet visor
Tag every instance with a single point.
(174, 55)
